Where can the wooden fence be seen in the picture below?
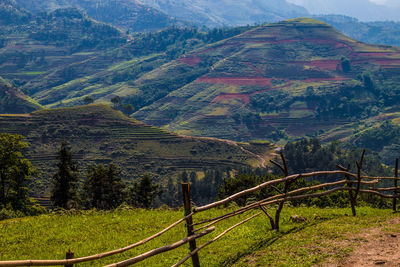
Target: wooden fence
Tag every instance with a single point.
(353, 183)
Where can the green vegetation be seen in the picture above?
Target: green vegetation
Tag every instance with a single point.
(103, 188)
(13, 100)
(15, 175)
(316, 80)
(377, 32)
(65, 181)
(328, 234)
(100, 135)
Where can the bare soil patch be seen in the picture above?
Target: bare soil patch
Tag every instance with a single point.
(378, 248)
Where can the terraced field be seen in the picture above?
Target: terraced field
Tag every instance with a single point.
(286, 58)
(99, 134)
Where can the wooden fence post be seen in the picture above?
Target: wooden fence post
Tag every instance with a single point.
(189, 221)
(396, 175)
(349, 185)
(69, 255)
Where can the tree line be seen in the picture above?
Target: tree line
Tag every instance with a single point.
(103, 188)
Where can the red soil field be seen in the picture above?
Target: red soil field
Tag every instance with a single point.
(226, 96)
(239, 81)
(192, 60)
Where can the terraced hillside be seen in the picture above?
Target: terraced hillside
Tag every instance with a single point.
(13, 100)
(282, 80)
(99, 134)
(54, 48)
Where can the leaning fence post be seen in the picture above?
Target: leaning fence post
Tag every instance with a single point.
(69, 255)
(189, 221)
(396, 175)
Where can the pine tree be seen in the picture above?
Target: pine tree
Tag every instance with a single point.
(65, 182)
(144, 192)
(103, 188)
(15, 172)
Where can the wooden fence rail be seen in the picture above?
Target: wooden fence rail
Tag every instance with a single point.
(353, 183)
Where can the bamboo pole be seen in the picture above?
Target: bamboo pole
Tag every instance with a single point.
(384, 189)
(301, 190)
(214, 239)
(89, 258)
(263, 185)
(270, 202)
(157, 251)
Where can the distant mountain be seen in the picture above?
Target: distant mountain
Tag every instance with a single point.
(100, 135)
(125, 14)
(228, 13)
(379, 32)
(364, 10)
(14, 101)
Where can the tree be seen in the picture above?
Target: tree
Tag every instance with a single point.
(103, 188)
(368, 81)
(15, 172)
(116, 100)
(144, 192)
(346, 67)
(88, 100)
(65, 182)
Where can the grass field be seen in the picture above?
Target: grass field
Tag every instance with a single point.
(328, 235)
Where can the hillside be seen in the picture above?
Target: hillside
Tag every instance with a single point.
(228, 13)
(55, 47)
(14, 101)
(126, 14)
(99, 134)
(283, 80)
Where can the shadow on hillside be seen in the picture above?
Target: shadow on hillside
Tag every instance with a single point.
(266, 243)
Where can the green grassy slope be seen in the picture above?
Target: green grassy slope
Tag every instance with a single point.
(284, 76)
(329, 235)
(99, 134)
(14, 101)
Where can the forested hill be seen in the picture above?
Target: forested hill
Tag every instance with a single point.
(126, 14)
(229, 13)
(378, 32)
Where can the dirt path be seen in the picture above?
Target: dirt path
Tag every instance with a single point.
(263, 162)
(379, 248)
